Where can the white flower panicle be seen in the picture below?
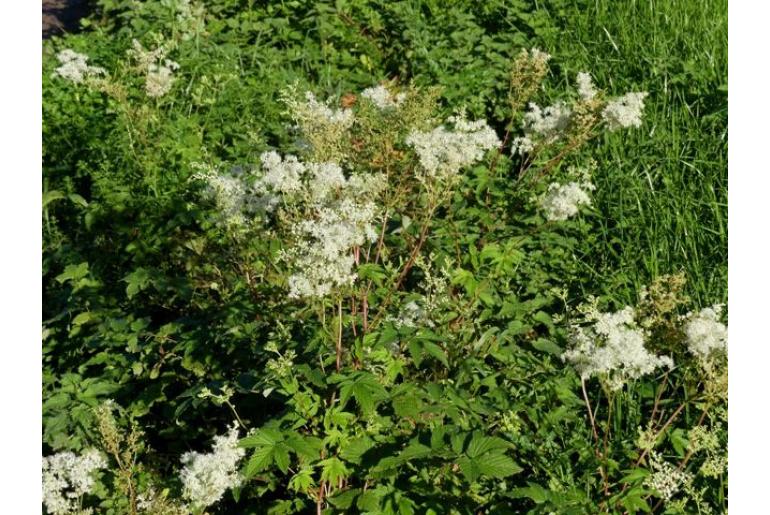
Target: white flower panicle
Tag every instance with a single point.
(67, 477)
(340, 216)
(75, 68)
(281, 175)
(381, 97)
(705, 333)
(443, 152)
(207, 476)
(522, 145)
(537, 55)
(323, 255)
(585, 84)
(562, 201)
(666, 479)
(548, 123)
(158, 71)
(624, 112)
(613, 349)
(230, 193)
(323, 113)
(412, 315)
(160, 78)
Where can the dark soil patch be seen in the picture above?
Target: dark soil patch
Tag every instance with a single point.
(62, 15)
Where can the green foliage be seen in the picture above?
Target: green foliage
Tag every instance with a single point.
(149, 300)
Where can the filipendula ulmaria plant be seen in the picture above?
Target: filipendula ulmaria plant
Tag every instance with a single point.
(367, 425)
(396, 255)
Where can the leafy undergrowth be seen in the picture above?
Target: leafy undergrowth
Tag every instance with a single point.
(339, 257)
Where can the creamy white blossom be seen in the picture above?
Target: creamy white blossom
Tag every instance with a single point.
(207, 476)
(74, 67)
(666, 479)
(281, 175)
(444, 151)
(411, 315)
(322, 256)
(549, 122)
(229, 192)
(341, 117)
(624, 112)
(563, 201)
(522, 145)
(585, 84)
(324, 180)
(613, 349)
(538, 55)
(158, 71)
(67, 477)
(160, 78)
(382, 97)
(340, 215)
(705, 333)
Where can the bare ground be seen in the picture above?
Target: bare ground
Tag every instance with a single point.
(62, 15)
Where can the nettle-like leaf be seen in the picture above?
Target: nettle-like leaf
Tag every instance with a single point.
(271, 446)
(364, 388)
(485, 456)
(333, 469)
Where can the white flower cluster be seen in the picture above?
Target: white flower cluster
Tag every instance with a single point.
(207, 476)
(548, 123)
(323, 255)
(538, 56)
(74, 67)
(230, 193)
(624, 112)
(666, 479)
(522, 145)
(160, 78)
(159, 71)
(339, 215)
(585, 84)
(381, 97)
(562, 201)
(342, 118)
(444, 151)
(613, 349)
(67, 477)
(705, 333)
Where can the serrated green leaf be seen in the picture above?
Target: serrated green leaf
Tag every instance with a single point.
(497, 465)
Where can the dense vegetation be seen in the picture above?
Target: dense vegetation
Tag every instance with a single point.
(454, 374)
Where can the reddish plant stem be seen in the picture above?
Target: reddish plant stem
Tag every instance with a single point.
(339, 336)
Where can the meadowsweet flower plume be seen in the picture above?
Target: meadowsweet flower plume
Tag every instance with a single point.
(67, 477)
(547, 123)
(157, 69)
(322, 127)
(666, 479)
(586, 88)
(381, 97)
(624, 112)
(75, 68)
(562, 201)
(207, 476)
(613, 348)
(705, 334)
(445, 150)
(230, 193)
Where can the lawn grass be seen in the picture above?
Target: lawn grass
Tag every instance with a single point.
(661, 191)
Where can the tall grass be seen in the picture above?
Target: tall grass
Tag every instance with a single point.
(662, 192)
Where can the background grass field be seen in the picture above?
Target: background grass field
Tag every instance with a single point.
(662, 190)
